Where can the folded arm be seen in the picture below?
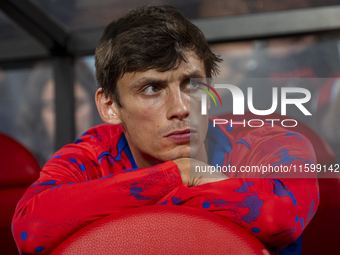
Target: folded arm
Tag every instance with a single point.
(273, 208)
(61, 201)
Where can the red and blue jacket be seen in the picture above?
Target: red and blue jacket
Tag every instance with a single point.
(97, 176)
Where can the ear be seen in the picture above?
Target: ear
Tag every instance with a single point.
(107, 108)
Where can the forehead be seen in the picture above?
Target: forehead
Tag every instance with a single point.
(192, 67)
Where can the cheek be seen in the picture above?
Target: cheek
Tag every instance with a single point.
(147, 117)
(196, 110)
(144, 124)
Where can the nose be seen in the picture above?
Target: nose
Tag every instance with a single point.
(178, 104)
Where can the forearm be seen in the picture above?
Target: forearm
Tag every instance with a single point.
(49, 213)
(266, 208)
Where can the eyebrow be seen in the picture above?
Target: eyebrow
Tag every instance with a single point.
(152, 80)
(146, 80)
(194, 74)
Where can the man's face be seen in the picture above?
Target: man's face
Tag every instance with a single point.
(156, 116)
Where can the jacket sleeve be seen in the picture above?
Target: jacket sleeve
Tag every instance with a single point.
(63, 199)
(273, 208)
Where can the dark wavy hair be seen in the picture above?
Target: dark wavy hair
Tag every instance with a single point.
(149, 37)
(29, 122)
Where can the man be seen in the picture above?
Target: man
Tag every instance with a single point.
(142, 156)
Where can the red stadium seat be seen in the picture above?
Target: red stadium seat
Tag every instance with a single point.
(322, 234)
(18, 170)
(162, 230)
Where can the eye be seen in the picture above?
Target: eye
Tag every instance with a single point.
(151, 89)
(193, 85)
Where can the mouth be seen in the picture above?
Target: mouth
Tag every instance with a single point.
(181, 136)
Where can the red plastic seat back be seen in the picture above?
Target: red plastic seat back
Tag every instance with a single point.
(162, 230)
(18, 170)
(321, 236)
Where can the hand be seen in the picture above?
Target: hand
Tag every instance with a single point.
(192, 177)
